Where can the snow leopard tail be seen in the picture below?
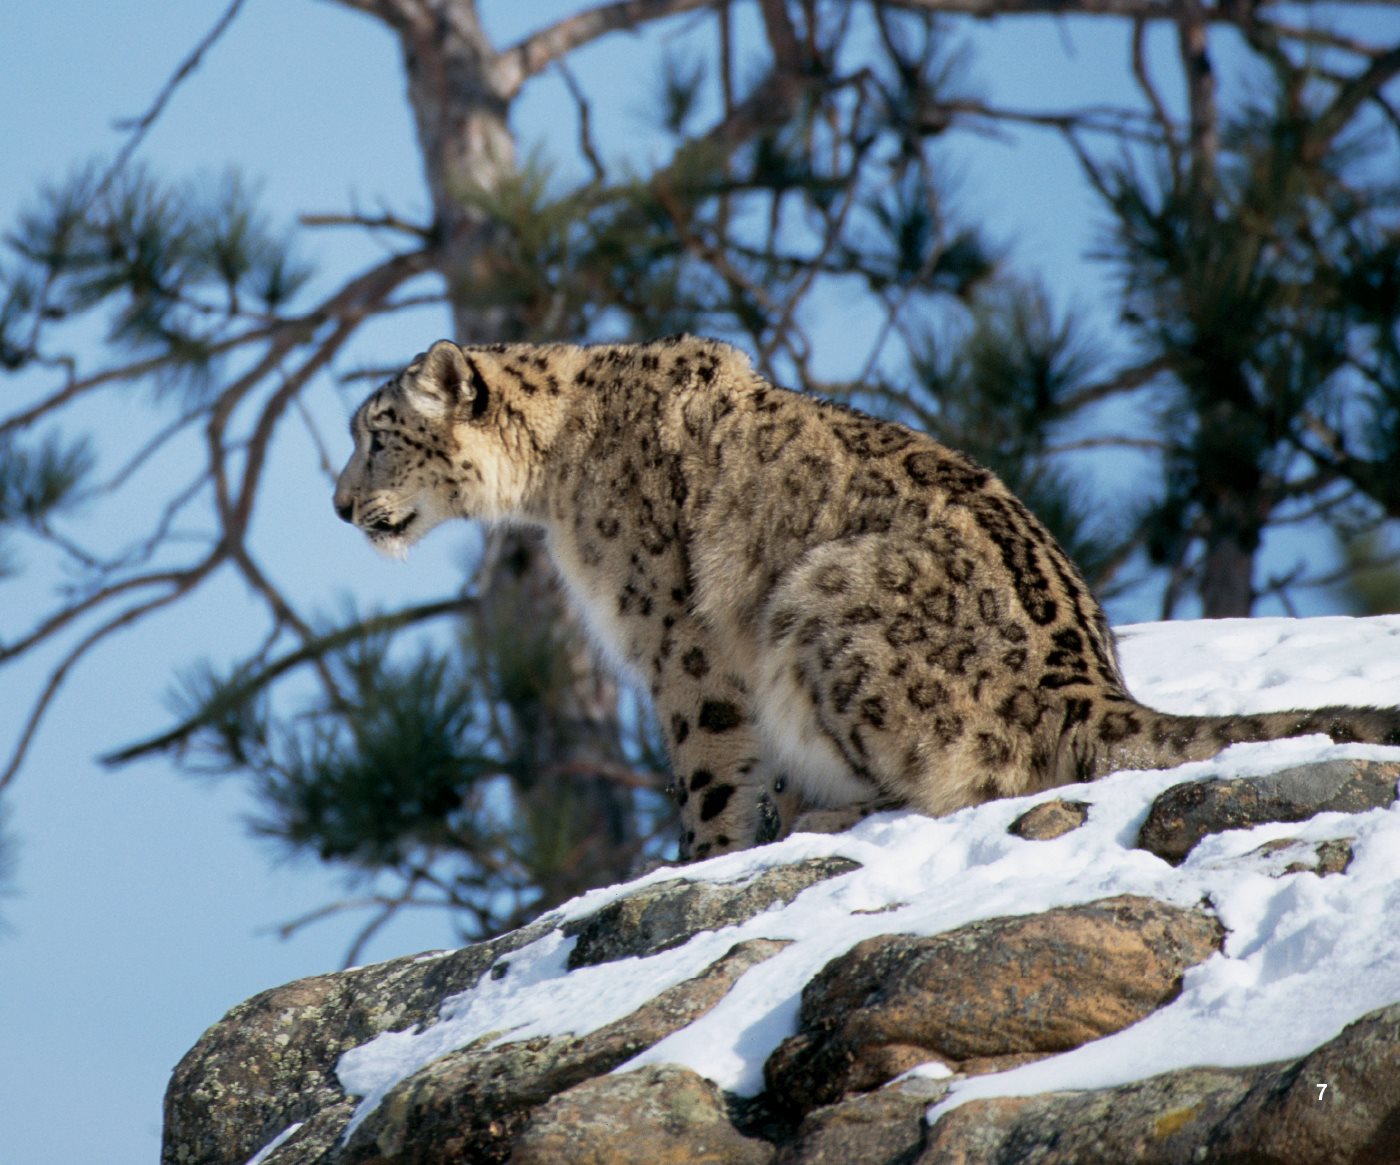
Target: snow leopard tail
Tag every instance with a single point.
(1126, 735)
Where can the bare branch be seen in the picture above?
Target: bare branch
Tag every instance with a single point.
(143, 551)
(1125, 381)
(397, 14)
(1095, 119)
(349, 307)
(782, 37)
(313, 430)
(185, 582)
(379, 222)
(1166, 10)
(624, 775)
(1369, 84)
(1200, 89)
(357, 300)
(62, 618)
(1140, 444)
(1325, 37)
(139, 126)
(517, 64)
(585, 123)
(1154, 99)
(144, 453)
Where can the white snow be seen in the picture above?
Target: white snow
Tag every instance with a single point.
(273, 1145)
(1305, 955)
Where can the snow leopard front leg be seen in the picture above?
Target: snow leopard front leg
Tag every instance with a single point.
(727, 796)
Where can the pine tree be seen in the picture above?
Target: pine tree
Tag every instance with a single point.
(1247, 277)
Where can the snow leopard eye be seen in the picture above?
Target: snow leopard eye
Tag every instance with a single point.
(376, 444)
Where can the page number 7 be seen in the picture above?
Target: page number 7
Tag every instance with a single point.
(1321, 1090)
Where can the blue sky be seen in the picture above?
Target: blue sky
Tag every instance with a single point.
(144, 908)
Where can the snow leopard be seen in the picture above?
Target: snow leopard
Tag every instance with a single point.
(833, 613)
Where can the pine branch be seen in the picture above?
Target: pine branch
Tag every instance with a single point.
(312, 649)
(80, 386)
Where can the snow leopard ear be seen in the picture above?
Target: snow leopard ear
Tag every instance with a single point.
(445, 380)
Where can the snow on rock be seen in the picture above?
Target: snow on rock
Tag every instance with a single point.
(1305, 953)
(273, 1145)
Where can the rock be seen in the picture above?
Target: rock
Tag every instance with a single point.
(1289, 1119)
(1049, 820)
(666, 915)
(885, 1127)
(658, 1115)
(271, 1061)
(1291, 855)
(1333, 857)
(1185, 813)
(1272, 1114)
(469, 1104)
(1160, 1121)
(1037, 984)
(313, 1141)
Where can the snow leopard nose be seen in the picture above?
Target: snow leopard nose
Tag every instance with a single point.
(345, 510)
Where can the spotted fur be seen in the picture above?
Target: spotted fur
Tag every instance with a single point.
(832, 612)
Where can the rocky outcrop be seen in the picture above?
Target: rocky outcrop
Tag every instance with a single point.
(270, 1062)
(978, 998)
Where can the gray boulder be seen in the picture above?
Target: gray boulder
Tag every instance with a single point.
(1185, 813)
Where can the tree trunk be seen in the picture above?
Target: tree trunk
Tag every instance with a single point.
(1227, 580)
(1237, 494)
